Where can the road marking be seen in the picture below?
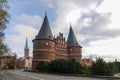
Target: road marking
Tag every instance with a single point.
(5, 75)
(36, 78)
(28, 76)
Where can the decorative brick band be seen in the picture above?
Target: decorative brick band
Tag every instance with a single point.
(44, 60)
(44, 50)
(66, 55)
(74, 55)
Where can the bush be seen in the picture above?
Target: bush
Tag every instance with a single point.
(86, 70)
(75, 66)
(59, 65)
(65, 66)
(100, 67)
(42, 66)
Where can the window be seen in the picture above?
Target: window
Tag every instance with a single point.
(71, 50)
(46, 43)
(61, 41)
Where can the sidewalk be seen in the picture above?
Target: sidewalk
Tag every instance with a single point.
(1, 73)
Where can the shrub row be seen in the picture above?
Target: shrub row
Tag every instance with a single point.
(99, 67)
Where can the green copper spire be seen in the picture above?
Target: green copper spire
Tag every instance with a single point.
(26, 45)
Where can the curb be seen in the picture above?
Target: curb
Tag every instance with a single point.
(78, 75)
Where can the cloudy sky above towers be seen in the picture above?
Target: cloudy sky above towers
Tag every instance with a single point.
(96, 23)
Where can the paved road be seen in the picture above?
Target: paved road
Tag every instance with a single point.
(5, 75)
(21, 75)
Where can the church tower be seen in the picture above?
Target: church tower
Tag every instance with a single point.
(73, 47)
(43, 45)
(26, 49)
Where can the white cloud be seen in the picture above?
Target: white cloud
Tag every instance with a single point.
(70, 13)
(25, 26)
(21, 32)
(111, 6)
(104, 47)
(34, 21)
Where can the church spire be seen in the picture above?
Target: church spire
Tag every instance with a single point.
(72, 41)
(45, 31)
(26, 45)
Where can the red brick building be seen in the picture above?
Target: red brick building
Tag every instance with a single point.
(47, 48)
(86, 62)
(8, 62)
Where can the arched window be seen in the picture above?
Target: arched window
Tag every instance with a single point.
(47, 43)
(71, 50)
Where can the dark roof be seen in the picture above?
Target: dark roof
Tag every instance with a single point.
(45, 31)
(26, 45)
(71, 41)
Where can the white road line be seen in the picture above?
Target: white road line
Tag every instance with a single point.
(36, 78)
(3, 73)
(28, 76)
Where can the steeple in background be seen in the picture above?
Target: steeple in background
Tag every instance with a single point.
(26, 49)
(26, 44)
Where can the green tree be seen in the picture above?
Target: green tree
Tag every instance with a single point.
(65, 66)
(117, 65)
(86, 70)
(4, 19)
(4, 16)
(75, 66)
(99, 67)
(59, 65)
(112, 68)
(42, 66)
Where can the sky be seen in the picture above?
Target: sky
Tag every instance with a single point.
(96, 23)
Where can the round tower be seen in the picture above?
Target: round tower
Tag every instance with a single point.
(73, 47)
(43, 45)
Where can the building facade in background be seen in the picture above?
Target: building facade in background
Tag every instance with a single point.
(47, 48)
(8, 62)
(26, 61)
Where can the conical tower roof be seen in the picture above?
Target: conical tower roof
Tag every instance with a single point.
(72, 41)
(26, 45)
(45, 31)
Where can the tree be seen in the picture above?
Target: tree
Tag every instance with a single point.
(86, 70)
(66, 66)
(4, 16)
(59, 66)
(112, 68)
(4, 19)
(75, 66)
(117, 64)
(99, 67)
(42, 66)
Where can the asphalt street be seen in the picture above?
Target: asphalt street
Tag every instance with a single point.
(22, 75)
(5, 75)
